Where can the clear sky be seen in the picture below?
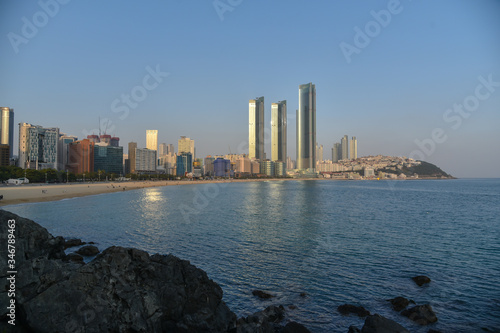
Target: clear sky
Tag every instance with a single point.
(387, 72)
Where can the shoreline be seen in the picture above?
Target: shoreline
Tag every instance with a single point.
(31, 193)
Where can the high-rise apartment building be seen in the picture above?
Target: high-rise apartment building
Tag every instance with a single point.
(278, 131)
(152, 140)
(256, 128)
(81, 156)
(163, 149)
(319, 153)
(306, 127)
(336, 152)
(184, 164)
(344, 142)
(354, 148)
(63, 150)
(186, 145)
(145, 160)
(7, 129)
(131, 156)
(37, 147)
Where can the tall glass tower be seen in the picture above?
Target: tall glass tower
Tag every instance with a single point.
(256, 128)
(278, 131)
(7, 129)
(306, 127)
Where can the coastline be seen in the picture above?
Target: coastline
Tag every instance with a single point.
(30, 193)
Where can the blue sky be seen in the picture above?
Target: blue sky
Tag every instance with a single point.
(395, 90)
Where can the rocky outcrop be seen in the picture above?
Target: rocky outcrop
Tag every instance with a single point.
(347, 309)
(421, 280)
(421, 314)
(380, 324)
(121, 290)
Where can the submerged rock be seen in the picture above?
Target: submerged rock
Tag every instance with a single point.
(380, 324)
(421, 314)
(400, 303)
(262, 294)
(347, 309)
(421, 280)
(74, 257)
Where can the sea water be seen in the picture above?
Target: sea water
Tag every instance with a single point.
(356, 242)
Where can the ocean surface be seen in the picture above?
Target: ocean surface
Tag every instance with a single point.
(356, 242)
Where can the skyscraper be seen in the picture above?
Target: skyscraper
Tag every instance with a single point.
(256, 128)
(7, 129)
(345, 147)
(186, 145)
(152, 140)
(306, 127)
(319, 153)
(278, 131)
(336, 152)
(37, 147)
(354, 148)
(63, 150)
(163, 149)
(131, 155)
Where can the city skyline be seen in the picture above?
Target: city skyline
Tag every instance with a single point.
(408, 87)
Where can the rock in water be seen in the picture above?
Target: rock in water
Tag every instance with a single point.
(88, 251)
(294, 327)
(421, 280)
(261, 294)
(72, 242)
(380, 324)
(263, 321)
(400, 303)
(421, 314)
(347, 309)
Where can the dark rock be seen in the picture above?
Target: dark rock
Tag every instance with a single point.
(73, 242)
(421, 280)
(263, 321)
(294, 327)
(400, 303)
(433, 331)
(421, 314)
(303, 294)
(88, 251)
(347, 309)
(380, 324)
(353, 329)
(121, 290)
(74, 257)
(262, 294)
(292, 307)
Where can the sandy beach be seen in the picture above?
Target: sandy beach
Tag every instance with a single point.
(16, 194)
